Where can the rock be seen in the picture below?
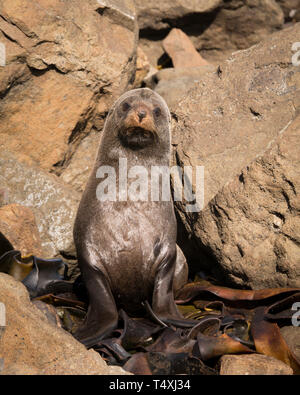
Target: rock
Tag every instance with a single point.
(142, 68)
(291, 335)
(78, 170)
(32, 345)
(247, 229)
(181, 50)
(156, 20)
(53, 203)
(160, 15)
(150, 81)
(223, 28)
(252, 225)
(154, 51)
(19, 369)
(253, 364)
(174, 84)
(49, 312)
(18, 225)
(63, 60)
(238, 25)
(177, 89)
(170, 73)
(229, 106)
(3, 197)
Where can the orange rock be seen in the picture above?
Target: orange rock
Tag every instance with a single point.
(62, 58)
(39, 126)
(17, 224)
(181, 50)
(32, 345)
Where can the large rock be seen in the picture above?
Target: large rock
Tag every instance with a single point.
(247, 228)
(238, 25)
(65, 63)
(253, 364)
(33, 345)
(216, 30)
(181, 50)
(53, 203)
(252, 226)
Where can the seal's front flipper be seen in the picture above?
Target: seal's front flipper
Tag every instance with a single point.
(102, 315)
(163, 304)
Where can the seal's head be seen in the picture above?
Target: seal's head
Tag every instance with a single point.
(141, 119)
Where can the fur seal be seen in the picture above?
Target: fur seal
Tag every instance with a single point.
(127, 249)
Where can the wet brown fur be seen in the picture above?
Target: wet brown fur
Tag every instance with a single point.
(127, 249)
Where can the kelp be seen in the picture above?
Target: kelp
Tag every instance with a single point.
(159, 363)
(194, 290)
(269, 341)
(40, 276)
(229, 321)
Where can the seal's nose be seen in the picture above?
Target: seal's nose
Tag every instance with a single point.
(141, 114)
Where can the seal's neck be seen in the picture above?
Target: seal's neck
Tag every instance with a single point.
(157, 154)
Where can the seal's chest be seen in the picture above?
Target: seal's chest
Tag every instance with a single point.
(132, 278)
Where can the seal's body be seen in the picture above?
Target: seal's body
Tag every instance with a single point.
(127, 249)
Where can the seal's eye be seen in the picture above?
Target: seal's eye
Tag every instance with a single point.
(157, 111)
(125, 106)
